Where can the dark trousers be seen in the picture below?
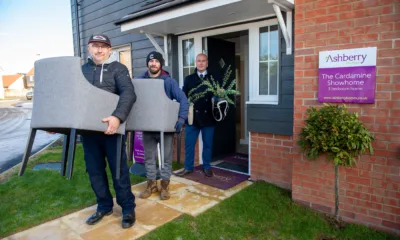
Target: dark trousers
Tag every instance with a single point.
(191, 134)
(98, 147)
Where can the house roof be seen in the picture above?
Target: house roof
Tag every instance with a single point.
(154, 6)
(10, 79)
(31, 72)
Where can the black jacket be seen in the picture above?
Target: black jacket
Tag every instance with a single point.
(202, 107)
(112, 77)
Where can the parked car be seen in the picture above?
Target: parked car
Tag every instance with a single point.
(29, 95)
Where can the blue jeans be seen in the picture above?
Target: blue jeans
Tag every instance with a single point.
(191, 135)
(97, 148)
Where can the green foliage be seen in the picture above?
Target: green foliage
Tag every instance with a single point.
(334, 130)
(223, 91)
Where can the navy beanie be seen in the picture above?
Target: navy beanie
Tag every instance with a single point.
(155, 55)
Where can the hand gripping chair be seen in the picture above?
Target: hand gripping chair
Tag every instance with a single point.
(153, 111)
(65, 102)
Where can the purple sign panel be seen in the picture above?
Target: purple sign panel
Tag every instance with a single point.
(347, 76)
(138, 149)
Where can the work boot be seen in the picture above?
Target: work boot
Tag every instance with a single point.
(165, 195)
(151, 188)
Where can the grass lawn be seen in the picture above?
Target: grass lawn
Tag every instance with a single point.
(40, 196)
(261, 211)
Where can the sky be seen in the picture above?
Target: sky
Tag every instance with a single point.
(32, 27)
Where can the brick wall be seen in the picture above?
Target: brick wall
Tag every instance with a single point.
(370, 191)
(271, 158)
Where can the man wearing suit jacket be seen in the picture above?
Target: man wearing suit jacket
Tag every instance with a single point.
(203, 120)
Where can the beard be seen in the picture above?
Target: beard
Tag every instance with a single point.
(154, 70)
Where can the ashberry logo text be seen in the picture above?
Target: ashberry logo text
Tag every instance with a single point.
(360, 58)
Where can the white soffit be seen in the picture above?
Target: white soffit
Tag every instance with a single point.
(201, 15)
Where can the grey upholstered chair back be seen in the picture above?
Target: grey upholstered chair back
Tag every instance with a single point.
(63, 98)
(153, 110)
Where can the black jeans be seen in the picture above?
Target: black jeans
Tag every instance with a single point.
(98, 147)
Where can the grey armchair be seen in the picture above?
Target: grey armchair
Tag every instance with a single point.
(153, 111)
(65, 102)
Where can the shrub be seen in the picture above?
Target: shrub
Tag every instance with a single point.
(334, 130)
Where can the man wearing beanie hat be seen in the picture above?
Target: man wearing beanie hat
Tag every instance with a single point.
(112, 76)
(155, 61)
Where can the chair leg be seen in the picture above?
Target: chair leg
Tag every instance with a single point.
(129, 145)
(159, 156)
(71, 153)
(119, 157)
(28, 150)
(162, 148)
(178, 147)
(64, 154)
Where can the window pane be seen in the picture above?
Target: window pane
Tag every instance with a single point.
(264, 44)
(186, 72)
(274, 43)
(273, 78)
(269, 56)
(263, 86)
(205, 47)
(191, 60)
(188, 51)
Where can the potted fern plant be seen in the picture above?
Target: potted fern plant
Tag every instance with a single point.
(223, 94)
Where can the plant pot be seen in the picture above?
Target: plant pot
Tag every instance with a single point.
(220, 108)
(190, 116)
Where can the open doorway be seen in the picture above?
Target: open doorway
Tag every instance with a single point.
(230, 147)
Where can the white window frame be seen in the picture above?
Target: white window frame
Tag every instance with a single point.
(254, 90)
(254, 51)
(181, 67)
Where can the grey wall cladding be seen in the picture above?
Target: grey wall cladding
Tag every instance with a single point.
(99, 16)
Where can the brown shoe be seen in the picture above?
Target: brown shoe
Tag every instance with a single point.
(208, 172)
(151, 188)
(165, 195)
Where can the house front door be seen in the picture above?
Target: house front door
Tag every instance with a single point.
(221, 56)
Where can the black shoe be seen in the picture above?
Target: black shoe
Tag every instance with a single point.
(128, 220)
(96, 217)
(208, 172)
(183, 173)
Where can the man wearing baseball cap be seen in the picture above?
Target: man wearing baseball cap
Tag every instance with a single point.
(155, 62)
(111, 76)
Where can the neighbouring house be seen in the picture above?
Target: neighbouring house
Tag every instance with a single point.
(14, 85)
(274, 48)
(30, 78)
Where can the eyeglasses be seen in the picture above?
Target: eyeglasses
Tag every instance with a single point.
(100, 46)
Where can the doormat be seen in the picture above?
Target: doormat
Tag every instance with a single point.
(237, 162)
(233, 166)
(222, 179)
(238, 158)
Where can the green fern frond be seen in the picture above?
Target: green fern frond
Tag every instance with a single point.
(229, 100)
(196, 88)
(233, 84)
(227, 74)
(233, 92)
